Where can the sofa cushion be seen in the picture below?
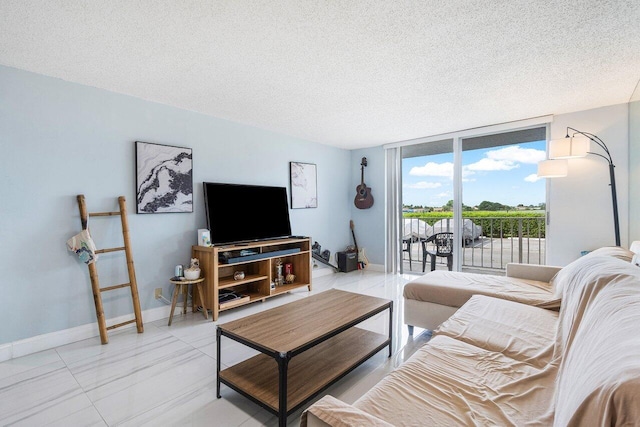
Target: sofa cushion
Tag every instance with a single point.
(450, 382)
(599, 378)
(618, 252)
(455, 288)
(519, 331)
(336, 413)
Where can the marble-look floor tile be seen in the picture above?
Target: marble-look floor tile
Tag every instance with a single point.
(124, 398)
(87, 417)
(41, 395)
(199, 407)
(119, 341)
(129, 366)
(22, 364)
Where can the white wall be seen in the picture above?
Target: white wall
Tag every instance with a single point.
(580, 206)
(61, 139)
(634, 165)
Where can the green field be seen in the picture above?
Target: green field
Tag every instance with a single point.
(496, 224)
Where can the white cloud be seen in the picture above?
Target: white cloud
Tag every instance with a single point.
(442, 195)
(489, 164)
(515, 154)
(423, 185)
(433, 169)
(532, 178)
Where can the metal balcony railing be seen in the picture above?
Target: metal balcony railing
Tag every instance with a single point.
(500, 241)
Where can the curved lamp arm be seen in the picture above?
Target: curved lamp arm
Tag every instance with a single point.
(612, 176)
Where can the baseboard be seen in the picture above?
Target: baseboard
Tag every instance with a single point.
(321, 271)
(375, 267)
(56, 339)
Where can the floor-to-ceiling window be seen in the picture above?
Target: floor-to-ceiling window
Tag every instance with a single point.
(481, 187)
(503, 200)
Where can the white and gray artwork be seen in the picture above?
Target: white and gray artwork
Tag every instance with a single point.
(304, 190)
(164, 178)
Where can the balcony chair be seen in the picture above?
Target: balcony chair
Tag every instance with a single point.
(444, 248)
(407, 248)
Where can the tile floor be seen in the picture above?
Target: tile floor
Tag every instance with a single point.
(166, 376)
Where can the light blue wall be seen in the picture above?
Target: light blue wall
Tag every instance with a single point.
(61, 139)
(369, 223)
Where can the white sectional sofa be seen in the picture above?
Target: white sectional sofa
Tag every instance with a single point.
(432, 298)
(500, 362)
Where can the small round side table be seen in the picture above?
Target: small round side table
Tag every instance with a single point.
(183, 286)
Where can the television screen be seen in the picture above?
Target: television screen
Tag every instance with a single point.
(241, 213)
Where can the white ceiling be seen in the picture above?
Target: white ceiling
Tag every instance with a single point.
(346, 73)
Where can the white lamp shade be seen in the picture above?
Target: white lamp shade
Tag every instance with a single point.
(567, 148)
(553, 168)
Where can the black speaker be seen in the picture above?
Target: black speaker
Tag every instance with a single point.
(347, 261)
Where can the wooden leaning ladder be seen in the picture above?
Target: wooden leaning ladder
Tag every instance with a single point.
(93, 271)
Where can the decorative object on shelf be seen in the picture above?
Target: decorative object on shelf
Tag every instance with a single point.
(364, 199)
(290, 278)
(573, 146)
(204, 237)
(238, 275)
(288, 268)
(279, 277)
(193, 272)
(304, 188)
(178, 271)
(164, 178)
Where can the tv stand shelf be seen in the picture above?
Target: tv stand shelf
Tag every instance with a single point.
(229, 282)
(260, 271)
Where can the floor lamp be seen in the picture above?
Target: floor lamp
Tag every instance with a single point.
(575, 145)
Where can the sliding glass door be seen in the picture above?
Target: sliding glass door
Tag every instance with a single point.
(482, 193)
(503, 200)
(427, 206)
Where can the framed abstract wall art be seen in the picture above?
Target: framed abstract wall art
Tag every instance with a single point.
(164, 178)
(304, 187)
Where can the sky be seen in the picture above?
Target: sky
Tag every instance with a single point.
(504, 175)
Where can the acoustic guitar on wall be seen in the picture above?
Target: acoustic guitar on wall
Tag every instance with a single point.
(364, 199)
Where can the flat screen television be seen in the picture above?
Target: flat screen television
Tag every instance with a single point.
(244, 213)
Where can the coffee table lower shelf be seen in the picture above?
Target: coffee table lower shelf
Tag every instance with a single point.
(308, 374)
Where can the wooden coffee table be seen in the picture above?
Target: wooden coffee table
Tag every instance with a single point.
(305, 346)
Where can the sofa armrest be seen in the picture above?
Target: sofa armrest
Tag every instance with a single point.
(541, 273)
(330, 411)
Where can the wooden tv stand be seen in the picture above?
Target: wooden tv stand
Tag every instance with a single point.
(259, 270)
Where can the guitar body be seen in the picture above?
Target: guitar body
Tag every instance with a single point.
(364, 199)
(362, 258)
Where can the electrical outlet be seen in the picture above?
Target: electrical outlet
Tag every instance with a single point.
(158, 293)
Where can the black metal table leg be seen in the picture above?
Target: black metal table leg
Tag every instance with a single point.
(218, 336)
(390, 327)
(283, 364)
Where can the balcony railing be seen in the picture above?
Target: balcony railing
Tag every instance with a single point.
(502, 240)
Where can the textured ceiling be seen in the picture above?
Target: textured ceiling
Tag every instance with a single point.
(345, 73)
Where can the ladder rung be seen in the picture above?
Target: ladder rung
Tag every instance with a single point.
(103, 213)
(121, 324)
(110, 288)
(104, 251)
